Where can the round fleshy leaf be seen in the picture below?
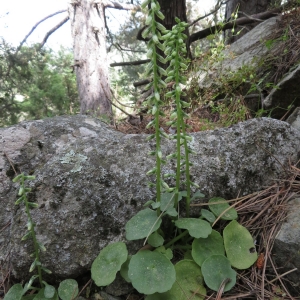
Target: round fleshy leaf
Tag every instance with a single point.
(158, 296)
(68, 289)
(239, 246)
(124, 269)
(151, 272)
(204, 248)
(142, 224)
(189, 280)
(215, 270)
(49, 291)
(218, 209)
(155, 239)
(15, 292)
(209, 216)
(108, 263)
(197, 228)
(41, 295)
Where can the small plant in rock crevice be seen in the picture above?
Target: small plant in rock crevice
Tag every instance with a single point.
(67, 290)
(208, 256)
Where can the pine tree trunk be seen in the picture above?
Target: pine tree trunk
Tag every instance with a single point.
(248, 7)
(90, 57)
(172, 9)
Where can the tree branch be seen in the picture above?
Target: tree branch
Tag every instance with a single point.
(35, 26)
(117, 5)
(212, 12)
(30, 32)
(141, 82)
(139, 36)
(238, 22)
(130, 63)
(51, 31)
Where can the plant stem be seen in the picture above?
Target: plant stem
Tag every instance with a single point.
(177, 238)
(156, 91)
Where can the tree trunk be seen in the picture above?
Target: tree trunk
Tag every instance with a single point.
(90, 55)
(172, 9)
(244, 8)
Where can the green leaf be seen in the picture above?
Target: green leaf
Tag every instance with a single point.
(167, 204)
(46, 270)
(41, 295)
(33, 265)
(218, 209)
(142, 224)
(189, 279)
(160, 14)
(42, 247)
(26, 236)
(33, 205)
(238, 245)
(197, 228)
(108, 263)
(215, 270)
(124, 269)
(28, 285)
(68, 289)
(155, 239)
(166, 252)
(203, 248)
(197, 195)
(151, 272)
(21, 199)
(145, 3)
(15, 292)
(18, 177)
(206, 214)
(49, 291)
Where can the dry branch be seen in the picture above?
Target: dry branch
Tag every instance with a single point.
(241, 21)
(51, 31)
(35, 26)
(142, 82)
(130, 63)
(117, 5)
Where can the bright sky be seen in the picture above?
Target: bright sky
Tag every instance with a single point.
(23, 15)
(17, 17)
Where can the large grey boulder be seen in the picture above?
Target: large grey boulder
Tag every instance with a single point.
(90, 180)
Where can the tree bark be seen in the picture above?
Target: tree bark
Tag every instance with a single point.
(244, 8)
(172, 9)
(90, 55)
